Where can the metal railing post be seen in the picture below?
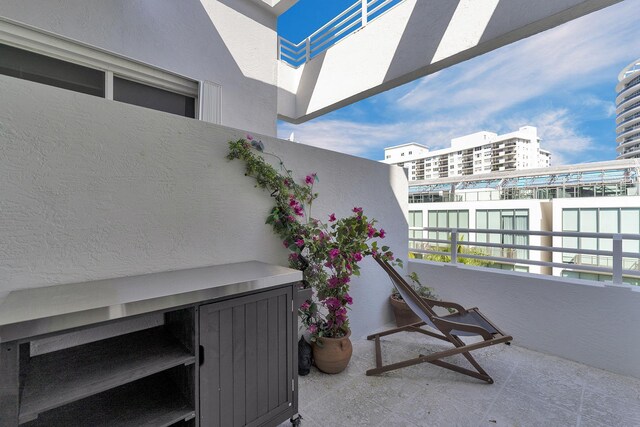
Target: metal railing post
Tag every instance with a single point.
(308, 48)
(617, 259)
(365, 13)
(279, 48)
(454, 246)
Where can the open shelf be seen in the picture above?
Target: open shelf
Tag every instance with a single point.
(65, 376)
(153, 401)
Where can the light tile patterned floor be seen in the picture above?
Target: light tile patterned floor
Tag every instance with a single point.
(531, 389)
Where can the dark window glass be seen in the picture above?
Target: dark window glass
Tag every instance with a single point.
(152, 97)
(54, 72)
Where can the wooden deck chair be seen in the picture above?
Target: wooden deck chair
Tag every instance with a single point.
(462, 323)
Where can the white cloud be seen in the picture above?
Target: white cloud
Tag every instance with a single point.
(496, 92)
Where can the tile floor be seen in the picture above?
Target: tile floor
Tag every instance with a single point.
(530, 389)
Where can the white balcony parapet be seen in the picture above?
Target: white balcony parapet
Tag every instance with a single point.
(614, 262)
(356, 16)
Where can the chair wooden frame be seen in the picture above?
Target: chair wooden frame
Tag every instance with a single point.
(470, 323)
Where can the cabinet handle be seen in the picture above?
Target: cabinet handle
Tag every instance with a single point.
(201, 355)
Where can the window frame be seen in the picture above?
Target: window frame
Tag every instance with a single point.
(36, 40)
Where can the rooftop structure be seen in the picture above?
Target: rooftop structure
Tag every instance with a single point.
(628, 111)
(598, 179)
(475, 154)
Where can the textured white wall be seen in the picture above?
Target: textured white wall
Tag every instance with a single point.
(92, 188)
(416, 38)
(230, 42)
(583, 321)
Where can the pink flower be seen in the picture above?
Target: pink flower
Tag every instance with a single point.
(333, 253)
(333, 282)
(309, 179)
(382, 233)
(291, 218)
(298, 210)
(332, 217)
(305, 306)
(286, 182)
(357, 256)
(285, 243)
(357, 210)
(348, 299)
(249, 137)
(328, 264)
(300, 243)
(332, 303)
(293, 202)
(370, 231)
(293, 256)
(313, 329)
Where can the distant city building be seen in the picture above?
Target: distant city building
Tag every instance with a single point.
(589, 197)
(628, 111)
(479, 153)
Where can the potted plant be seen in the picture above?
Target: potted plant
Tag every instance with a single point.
(401, 311)
(328, 252)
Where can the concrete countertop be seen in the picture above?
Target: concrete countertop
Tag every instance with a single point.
(38, 311)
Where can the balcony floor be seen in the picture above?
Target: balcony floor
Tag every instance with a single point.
(530, 389)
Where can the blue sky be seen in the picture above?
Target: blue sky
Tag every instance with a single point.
(562, 81)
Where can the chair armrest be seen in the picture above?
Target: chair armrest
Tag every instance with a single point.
(445, 304)
(449, 325)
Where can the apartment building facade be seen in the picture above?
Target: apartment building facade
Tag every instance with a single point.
(602, 197)
(628, 112)
(475, 154)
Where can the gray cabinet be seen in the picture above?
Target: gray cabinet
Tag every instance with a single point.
(247, 360)
(220, 352)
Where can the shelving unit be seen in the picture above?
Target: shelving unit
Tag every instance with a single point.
(152, 402)
(139, 378)
(58, 378)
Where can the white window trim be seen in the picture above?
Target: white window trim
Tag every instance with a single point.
(36, 40)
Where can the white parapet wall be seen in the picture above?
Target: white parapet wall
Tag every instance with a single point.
(587, 322)
(92, 188)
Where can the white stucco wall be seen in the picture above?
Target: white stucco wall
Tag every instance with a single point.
(231, 42)
(587, 322)
(92, 188)
(416, 38)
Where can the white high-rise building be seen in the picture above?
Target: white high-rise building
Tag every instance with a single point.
(474, 154)
(628, 111)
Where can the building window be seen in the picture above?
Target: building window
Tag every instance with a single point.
(448, 219)
(415, 220)
(401, 154)
(600, 220)
(41, 57)
(410, 152)
(388, 156)
(38, 68)
(504, 219)
(143, 95)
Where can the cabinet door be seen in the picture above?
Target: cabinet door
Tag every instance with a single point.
(246, 372)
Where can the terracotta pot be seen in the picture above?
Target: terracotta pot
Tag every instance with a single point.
(334, 355)
(404, 315)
